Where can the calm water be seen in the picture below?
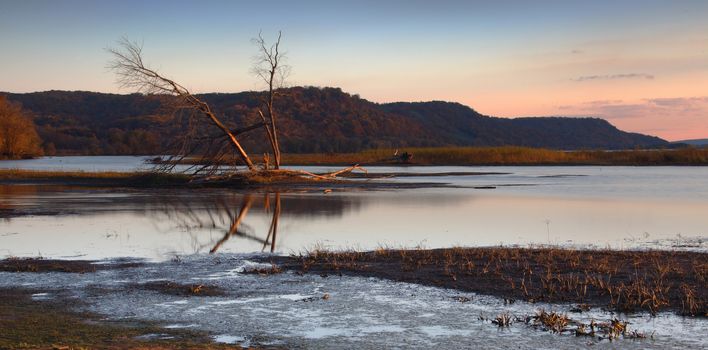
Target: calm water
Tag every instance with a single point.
(619, 207)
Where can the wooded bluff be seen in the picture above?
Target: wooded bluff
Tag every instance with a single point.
(312, 120)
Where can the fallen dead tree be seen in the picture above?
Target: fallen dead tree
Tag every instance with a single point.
(272, 175)
(203, 134)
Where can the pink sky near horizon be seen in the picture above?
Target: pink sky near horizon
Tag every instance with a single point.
(640, 64)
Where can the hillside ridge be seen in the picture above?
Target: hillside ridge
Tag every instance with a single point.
(312, 119)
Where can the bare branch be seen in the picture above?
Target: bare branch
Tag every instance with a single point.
(268, 66)
(133, 73)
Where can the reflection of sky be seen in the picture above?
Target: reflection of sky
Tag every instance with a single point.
(158, 226)
(507, 58)
(688, 183)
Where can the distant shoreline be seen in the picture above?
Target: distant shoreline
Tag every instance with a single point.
(498, 156)
(476, 156)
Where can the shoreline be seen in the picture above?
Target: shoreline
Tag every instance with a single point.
(484, 156)
(616, 280)
(56, 324)
(67, 322)
(242, 180)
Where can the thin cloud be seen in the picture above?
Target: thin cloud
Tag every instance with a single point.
(686, 102)
(602, 102)
(667, 106)
(614, 77)
(669, 117)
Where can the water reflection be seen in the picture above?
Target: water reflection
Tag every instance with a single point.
(157, 224)
(239, 218)
(131, 222)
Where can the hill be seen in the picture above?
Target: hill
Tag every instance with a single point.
(694, 142)
(311, 120)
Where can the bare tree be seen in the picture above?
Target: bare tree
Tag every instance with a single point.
(198, 118)
(201, 131)
(269, 66)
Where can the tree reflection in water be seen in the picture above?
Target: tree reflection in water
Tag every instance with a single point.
(246, 205)
(193, 220)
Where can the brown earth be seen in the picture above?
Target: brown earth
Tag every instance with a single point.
(52, 324)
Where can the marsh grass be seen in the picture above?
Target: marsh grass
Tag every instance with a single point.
(507, 155)
(273, 269)
(53, 324)
(617, 280)
(146, 179)
(40, 265)
(181, 289)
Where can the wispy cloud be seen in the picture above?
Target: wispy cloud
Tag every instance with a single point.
(618, 109)
(614, 77)
(670, 117)
(685, 102)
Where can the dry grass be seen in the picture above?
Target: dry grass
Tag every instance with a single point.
(184, 290)
(13, 174)
(51, 324)
(146, 179)
(618, 280)
(263, 271)
(39, 265)
(508, 155)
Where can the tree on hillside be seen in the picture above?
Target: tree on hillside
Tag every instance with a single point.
(18, 135)
(199, 122)
(269, 67)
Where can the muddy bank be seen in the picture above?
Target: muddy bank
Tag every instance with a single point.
(68, 266)
(251, 181)
(624, 281)
(29, 321)
(235, 299)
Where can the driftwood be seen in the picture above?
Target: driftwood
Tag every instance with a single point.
(277, 172)
(327, 176)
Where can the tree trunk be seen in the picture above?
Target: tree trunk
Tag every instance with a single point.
(232, 138)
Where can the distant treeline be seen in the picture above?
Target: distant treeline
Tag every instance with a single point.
(312, 120)
(505, 156)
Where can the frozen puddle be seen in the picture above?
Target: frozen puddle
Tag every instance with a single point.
(229, 339)
(41, 296)
(292, 311)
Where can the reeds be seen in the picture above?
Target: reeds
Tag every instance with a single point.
(273, 269)
(618, 280)
(508, 155)
(138, 178)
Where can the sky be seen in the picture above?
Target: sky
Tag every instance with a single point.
(642, 65)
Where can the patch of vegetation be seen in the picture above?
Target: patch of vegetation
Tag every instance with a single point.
(18, 135)
(264, 271)
(508, 155)
(503, 155)
(50, 265)
(51, 324)
(184, 290)
(107, 178)
(618, 280)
